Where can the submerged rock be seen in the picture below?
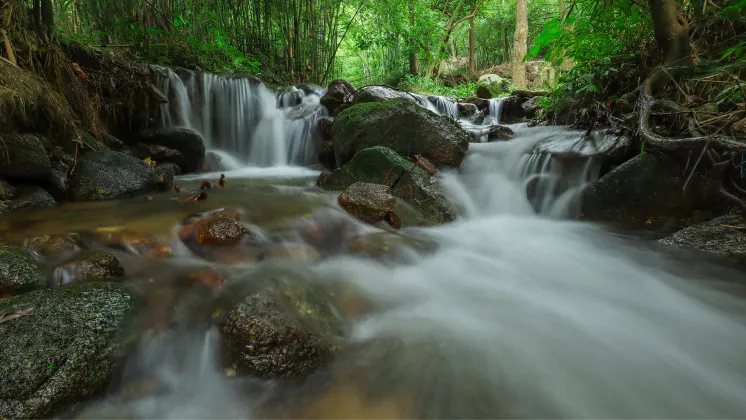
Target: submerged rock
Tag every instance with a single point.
(338, 94)
(19, 272)
(290, 251)
(53, 247)
(109, 175)
(381, 165)
(98, 266)
(63, 351)
(724, 236)
(24, 156)
(492, 86)
(647, 192)
(31, 198)
(280, 325)
(392, 247)
(403, 126)
(219, 230)
(188, 142)
(368, 202)
(499, 132)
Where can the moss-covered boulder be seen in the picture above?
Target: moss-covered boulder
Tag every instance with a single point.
(723, 236)
(409, 182)
(19, 272)
(647, 192)
(368, 202)
(24, 156)
(31, 198)
(403, 126)
(380, 93)
(109, 175)
(97, 266)
(278, 324)
(64, 349)
(186, 141)
(492, 86)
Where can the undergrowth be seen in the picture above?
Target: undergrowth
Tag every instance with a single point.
(428, 86)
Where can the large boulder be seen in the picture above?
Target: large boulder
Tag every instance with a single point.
(62, 348)
(19, 272)
(24, 156)
(722, 236)
(159, 154)
(403, 126)
(409, 182)
(491, 86)
(380, 93)
(368, 202)
(338, 95)
(109, 175)
(647, 192)
(188, 142)
(278, 324)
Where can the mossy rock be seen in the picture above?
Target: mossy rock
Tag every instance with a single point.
(19, 272)
(403, 126)
(492, 86)
(7, 192)
(109, 175)
(97, 266)
(713, 236)
(64, 350)
(279, 324)
(381, 165)
(24, 156)
(31, 198)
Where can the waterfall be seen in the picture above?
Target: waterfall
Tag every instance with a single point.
(496, 109)
(243, 117)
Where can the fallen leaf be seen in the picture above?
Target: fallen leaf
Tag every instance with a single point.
(196, 197)
(13, 315)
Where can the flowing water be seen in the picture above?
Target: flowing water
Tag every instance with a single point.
(521, 312)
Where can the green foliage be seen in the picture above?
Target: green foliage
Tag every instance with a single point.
(429, 86)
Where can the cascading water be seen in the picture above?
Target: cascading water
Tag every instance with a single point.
(241, 116)
(515, 315)
(496, 109)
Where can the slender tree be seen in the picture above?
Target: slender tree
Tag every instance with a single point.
(519, 44)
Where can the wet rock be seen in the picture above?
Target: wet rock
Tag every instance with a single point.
(31, 198)
(59, 181)
(53, 247)
(338, 94)
(368, 202)
(188, 142)
(381, 165)
(159, 154)
(723, 236)
(213, 162)
(380, 93)
(531, 107)
(87, 143)
(492, 86)
(291, 251)
(466, 110)
(311, 89)
(400, 247)
(64, 351)
(499, 133)
(482, 104)
(403, 126)
(173, 167)
(324, 127)
(281, 326)
(7, 192)
(290, 98)
(326, 230)
(512, 110)
(98, 266)
(114, 143)
(219, 230)
(647, 192)
(19, 272)
(109, 175)
(165, 174)
(23, 156)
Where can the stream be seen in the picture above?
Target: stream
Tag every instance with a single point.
(519, 312)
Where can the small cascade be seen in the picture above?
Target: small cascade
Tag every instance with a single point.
(442, 106)
(241, 116)
(496, 109)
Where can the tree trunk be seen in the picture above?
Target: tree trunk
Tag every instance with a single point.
(414, 62)
(564, 11)
(672, 33)
(519, 44)
(506, 45)
(472, 63)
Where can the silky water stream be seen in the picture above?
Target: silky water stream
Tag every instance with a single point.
(519, 312)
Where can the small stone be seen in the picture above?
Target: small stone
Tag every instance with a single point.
(54, 246)
(368, 202)
(221, 230)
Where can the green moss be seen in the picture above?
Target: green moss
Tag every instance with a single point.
(19, 272)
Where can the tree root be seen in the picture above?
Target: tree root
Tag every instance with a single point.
(653, 140)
